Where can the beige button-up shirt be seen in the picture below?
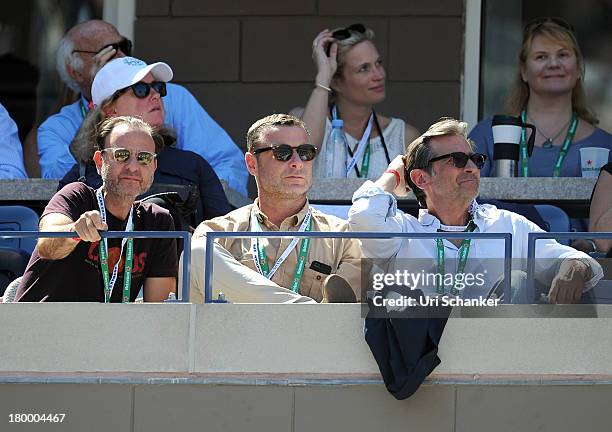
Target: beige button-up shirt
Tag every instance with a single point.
(342, 255)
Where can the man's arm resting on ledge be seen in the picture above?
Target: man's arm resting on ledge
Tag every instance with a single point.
(569, 283)
(157, 289)
(86, 226)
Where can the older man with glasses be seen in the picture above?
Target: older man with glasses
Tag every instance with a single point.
(443, 171)
(84, 50)
(273, 270)
(90, 269)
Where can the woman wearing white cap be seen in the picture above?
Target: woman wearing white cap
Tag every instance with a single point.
(128, 86)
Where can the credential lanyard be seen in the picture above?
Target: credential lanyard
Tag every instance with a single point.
(83, 108)
(129, 257)
(464, 251)
(571, 131)
(362, 148)
(261, 260)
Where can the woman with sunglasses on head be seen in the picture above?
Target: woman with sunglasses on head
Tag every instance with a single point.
(350, 81)
(129, 87)
(548, 92)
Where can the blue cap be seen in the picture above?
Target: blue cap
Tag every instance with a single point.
(337, 123)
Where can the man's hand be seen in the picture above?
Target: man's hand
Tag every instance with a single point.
(100, 59)
(88, 224)
(568, 285)
(388, 181)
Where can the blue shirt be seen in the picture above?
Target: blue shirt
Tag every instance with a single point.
(542, 161)
(11, 153)
(195, 129)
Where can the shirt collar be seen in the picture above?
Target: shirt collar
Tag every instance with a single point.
(292, 221)
(479, 214)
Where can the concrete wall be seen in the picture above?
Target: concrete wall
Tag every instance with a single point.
(245, 59)
(211, 408)
(292, 368)
(324, 339)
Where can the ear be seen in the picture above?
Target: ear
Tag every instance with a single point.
(251, 163)
(336, 84)
(420, 177)
(523, 78)
(97, 157)
(74, 74)
(109, 110)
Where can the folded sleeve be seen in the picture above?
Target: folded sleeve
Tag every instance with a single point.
(376, 210)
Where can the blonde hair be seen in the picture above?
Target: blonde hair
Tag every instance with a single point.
(555, 30)
(344, 45)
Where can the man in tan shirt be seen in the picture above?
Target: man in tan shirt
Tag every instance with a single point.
(280, 157)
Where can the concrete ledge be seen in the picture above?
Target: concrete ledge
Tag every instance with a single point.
(292, 380)
(281, 343)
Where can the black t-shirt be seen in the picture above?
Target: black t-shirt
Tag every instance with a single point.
(78, 277)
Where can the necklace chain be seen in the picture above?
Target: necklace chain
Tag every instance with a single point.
(557, 135)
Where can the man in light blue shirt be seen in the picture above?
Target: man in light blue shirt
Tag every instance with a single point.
(11, 153)
(81, 53)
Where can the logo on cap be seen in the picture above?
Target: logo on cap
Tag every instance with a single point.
(131, 61)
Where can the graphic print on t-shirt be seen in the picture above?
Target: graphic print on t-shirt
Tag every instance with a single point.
(93, 259)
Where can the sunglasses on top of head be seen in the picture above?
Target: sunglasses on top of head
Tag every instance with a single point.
(283, 152)
(345, 33)
(461, 159)
(122, 155)
(142, 89)
(537, 22)
(124, 45)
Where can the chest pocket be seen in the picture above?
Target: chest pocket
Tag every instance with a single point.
(311, 283)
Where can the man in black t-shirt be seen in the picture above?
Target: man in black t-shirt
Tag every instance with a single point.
(70, 269)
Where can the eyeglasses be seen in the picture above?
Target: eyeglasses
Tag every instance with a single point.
(537, 22)
(345, 33)
(283, 152)
(142, 89)
(461, 159)
(122, 155)
(124, 45)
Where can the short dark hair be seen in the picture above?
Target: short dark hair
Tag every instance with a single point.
(104, 129)
(260, 126)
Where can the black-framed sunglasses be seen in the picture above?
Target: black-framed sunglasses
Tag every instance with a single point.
(461, 159)
(537, 22)
(142, 89)
(345, 33)
(283, 152)
(122, 155)
(124, 45)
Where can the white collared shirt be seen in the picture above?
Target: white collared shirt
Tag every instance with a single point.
(376, 210)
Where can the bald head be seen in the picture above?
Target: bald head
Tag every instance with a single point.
(90, 31)
(75, 68)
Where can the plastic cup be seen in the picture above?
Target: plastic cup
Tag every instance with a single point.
(592, 159)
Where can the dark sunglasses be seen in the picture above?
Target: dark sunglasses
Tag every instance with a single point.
(283, 152)
(537, 22)
(345, 33)
(122, 155)
(461, 159)
(125, 46)
(142, 89)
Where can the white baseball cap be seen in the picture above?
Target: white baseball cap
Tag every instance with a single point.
(123, 72)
